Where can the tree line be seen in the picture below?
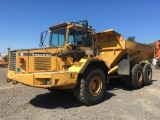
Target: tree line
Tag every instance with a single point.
(132, 38)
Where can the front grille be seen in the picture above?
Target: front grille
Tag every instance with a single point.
(42, 63)
(12, 58)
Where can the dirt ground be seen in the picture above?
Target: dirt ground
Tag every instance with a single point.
(20, 102)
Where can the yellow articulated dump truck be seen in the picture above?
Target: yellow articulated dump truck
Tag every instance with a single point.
(79, 59)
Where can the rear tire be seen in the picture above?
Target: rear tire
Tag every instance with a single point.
(135, 80)
(91, 87)
(147, 74)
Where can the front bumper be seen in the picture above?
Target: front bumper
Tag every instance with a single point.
(60, 79)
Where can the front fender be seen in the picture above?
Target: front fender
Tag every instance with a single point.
(83, 64)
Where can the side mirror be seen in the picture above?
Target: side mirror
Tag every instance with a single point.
(85, 26)
(41, 40)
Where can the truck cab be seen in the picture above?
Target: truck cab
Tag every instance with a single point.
(55, 64)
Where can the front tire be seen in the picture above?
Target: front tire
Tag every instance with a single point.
(8, 80)
(91, 87)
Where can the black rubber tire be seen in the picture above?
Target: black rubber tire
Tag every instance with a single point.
(147, 74)
(14, 82)
(83, 92)
(135, 80)
(8, 80)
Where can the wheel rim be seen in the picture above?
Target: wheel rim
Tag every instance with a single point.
(139, 76)
(95, 86)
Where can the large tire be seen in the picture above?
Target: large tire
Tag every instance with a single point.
(91, 87)
(135, 79)
(147, 74)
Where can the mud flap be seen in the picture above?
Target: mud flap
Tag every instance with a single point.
(124, 65)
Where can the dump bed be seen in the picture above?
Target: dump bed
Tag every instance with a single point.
(113, 47)
(143, 51)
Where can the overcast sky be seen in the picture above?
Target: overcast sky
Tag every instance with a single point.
(21, 21)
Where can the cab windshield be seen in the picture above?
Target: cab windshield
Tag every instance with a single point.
(58, 37)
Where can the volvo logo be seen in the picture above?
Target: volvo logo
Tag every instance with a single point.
(36, 54)
(41, 54)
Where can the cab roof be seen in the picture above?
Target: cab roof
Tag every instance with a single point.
(64, 24)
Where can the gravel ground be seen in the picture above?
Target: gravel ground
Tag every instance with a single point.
(20, 102)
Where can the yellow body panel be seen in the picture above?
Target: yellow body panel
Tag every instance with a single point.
(144, 51)
(22, 78)
(58, 79)
(77, 67)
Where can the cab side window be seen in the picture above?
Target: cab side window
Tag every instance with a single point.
(76, 38)
(88, 41)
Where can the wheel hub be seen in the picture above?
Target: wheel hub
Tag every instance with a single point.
(95, 86)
